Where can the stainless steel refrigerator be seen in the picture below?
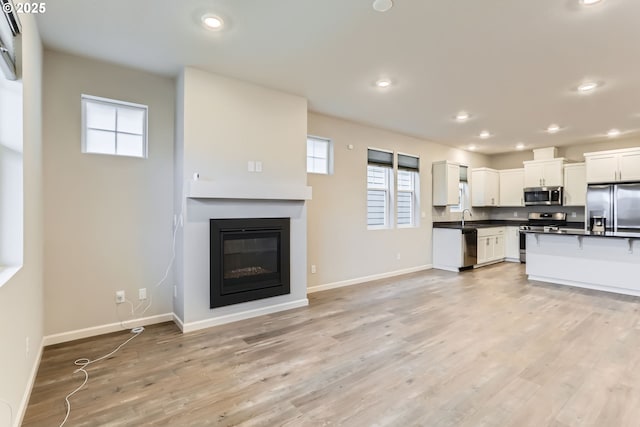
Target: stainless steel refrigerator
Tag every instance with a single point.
(618, 203)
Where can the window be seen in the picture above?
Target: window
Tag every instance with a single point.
(12, 159)
(408, 185)
(319, 155)
(463, 191)
(379, 185)
(113, 127)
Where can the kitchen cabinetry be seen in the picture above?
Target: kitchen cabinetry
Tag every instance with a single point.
(485, 187)
(575, 184)
(491, 244)
(613, 166)
(512, 244)
(511, 185)
(543, 173)
(446, 183)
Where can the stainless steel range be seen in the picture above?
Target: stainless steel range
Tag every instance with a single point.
(540, 221)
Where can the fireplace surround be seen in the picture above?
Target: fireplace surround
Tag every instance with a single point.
(249, 259)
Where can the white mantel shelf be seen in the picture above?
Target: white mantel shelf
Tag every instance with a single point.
(202, 189)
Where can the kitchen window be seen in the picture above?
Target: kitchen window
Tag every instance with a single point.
(463, 191)
(379, 189)
(408, 190)
(113, 127)
(319, 155)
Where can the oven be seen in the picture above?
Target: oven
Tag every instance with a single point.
(540, 221)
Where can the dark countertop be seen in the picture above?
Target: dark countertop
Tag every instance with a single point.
(487, 223)
(583, 233)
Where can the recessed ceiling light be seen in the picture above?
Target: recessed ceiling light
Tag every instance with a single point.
(553, 128)
(613, 133)
(472, 147)
(485, 134)
(520, 146)
(587, 87)
(382, 5)
(589, 2)
(212, 22)
(383, 83)
(462, 116)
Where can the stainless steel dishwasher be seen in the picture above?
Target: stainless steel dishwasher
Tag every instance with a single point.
(469, 247)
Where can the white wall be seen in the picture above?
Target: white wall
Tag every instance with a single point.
(108, 219)
(229, 122)
(339, 243)
(223, 124)
(21, 302)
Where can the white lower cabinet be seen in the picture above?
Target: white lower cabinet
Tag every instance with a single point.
(491, 246)
(512, 244)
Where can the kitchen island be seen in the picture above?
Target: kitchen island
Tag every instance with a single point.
(607, 261)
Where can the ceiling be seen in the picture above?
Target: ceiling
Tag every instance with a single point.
(513, 65)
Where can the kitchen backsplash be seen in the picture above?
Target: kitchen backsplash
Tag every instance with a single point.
(441, 214)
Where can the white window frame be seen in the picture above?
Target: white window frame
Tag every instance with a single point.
(329, 154)
(85, 99)
(389, 192)
(414, 197)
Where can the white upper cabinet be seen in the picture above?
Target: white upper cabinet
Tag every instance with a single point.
(613, 166)
(446, 183)
(543, 173)
(485, 187)
(575, 184)
(511, 187)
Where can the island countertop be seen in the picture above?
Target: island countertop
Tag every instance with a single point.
(584, 233)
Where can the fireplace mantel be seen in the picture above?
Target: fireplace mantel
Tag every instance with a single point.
(202, 189)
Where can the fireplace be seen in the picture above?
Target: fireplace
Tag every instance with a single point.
(249, 259)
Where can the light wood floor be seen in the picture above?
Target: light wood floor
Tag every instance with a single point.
(481, 348)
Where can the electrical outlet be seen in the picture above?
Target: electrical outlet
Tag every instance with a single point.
(142, 294)
(313, 269)
(258, 166)
(573, 215)
(398, 256)
(251, 166)
(120, 297)
(515, 213)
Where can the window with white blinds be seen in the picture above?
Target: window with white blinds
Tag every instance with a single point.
(379, 197)
(408, 168)
(113, 127)
(319, 155)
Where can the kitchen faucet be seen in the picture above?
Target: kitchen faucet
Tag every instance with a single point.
(470, 215)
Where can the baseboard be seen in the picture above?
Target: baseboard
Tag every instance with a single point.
(447, 268)
(229, 318)
(104, 329)
(19, 414)
(364, 279)
(178, 322)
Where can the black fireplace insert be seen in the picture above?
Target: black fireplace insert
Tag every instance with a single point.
(249, 259)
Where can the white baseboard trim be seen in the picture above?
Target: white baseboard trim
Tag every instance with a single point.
(105, 329)
(447, 268)
(228, 318)
(19, 414)
(364, 279)
(178, 322)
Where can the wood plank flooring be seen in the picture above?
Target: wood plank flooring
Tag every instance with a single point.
(480, 348)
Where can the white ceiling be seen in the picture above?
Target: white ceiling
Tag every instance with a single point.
(513, 65)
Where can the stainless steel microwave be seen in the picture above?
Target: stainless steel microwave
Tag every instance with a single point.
(548, 196)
